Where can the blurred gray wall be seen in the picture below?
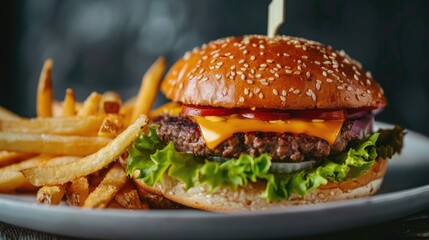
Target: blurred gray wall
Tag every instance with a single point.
(103, 45)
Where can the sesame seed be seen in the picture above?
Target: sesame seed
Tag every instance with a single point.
(368, 82)
(324, 74)
(218, 76)
(199, 77)
(216, 55)
(205, 57)
(252, 58)
(227, 54)
(282, 98)
(249, 81)
(344, 74)
(275, 92)
(213, 61)
(258, 75)
(257, 90)
(269, 60)
(205, 79)
(368, 91)
(261, 53)
(317, 62)
(252, 71)
(239, 72)
(251, 75)
(233, 73)
(261, 46)
(349, 88)
(340, 87)
(356, 77)
(241, 99)
(326, 62)
(246, 91)
(231, 57)
(288, 71)
(241, 61)
(278, 65)
(276, 75)
(304, 57)
(272, 71)
(297, 72)
(270, 79)
(261, 69)
(263, 65)
(243, 69)
(211, 68)
(299, 68)
(291, 89)
(219, 63)
(232, 67)
(296, 91)
(243, 76)
(284, 93)
(286, 55)
(187, 55)
(329, 80)
(246, 65)
(368, 74)
(308, 74)
(261, 95)
(245, 52)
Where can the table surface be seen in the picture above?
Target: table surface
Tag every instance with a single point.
(415, 226)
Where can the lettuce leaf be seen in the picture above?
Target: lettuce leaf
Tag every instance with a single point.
(153, 159)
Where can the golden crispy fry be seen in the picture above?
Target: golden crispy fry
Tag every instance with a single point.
(90, 106)
(61, 174)
(44, 91)
(50, 195)
(111, 126)
(7, 115)
(149, 88)
(75, 125)
(77, 191)
(11, 178)
(51, 144)
(59, 161)
(111, 103)
(7, 158)
(111, 184)
(129, 198)
(69, 105)
(115, 205)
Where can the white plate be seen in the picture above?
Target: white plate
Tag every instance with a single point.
(405, 191)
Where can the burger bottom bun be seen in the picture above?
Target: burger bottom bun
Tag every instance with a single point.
(248, 198)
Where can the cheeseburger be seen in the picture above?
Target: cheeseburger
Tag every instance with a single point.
(260, 123)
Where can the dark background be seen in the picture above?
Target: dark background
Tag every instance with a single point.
(103, 45)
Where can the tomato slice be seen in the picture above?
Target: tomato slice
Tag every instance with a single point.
(265, 115)
(321, 114)
(201, 111)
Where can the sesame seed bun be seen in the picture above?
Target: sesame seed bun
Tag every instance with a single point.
(278, 73)
(249, 198)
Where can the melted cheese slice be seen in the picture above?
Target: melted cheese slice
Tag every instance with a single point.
(216, 129)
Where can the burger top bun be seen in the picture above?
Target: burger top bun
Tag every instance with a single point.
(278, 73)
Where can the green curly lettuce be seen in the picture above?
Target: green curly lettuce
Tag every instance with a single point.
(153, 159)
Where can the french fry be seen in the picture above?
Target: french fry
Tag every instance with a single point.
(59, 161)
(75, 125)
(50, 195)
(90, 106)
(105, 192)
(77, 191)
(7, 158)
(111, 126)
(111, 103)
(129, 198)
(40, 176)
(149, 88)
(51, 144)
(44, 91)
(7, 115)
(69, 105)
(11, 178)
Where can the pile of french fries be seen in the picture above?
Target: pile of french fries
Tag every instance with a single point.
(73, 152)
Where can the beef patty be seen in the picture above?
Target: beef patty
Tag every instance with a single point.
(186, 136)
